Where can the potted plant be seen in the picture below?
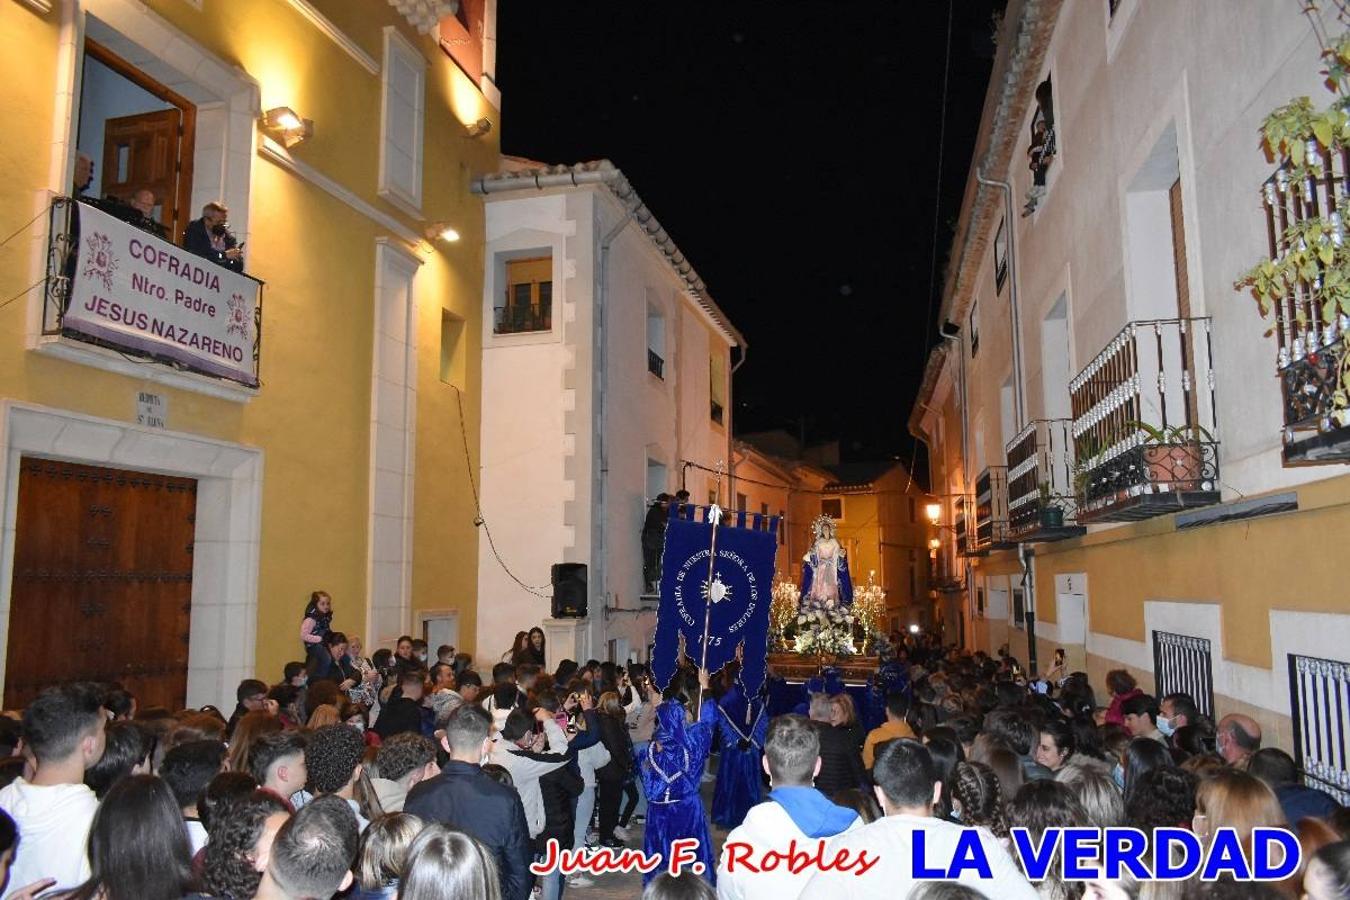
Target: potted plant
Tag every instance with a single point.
(1174, 455)
(1052, 514)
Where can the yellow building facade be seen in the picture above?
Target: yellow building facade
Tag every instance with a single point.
(878, 512)
(348, 466)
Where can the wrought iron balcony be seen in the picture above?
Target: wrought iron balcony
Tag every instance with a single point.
(655, 364)
(522, 318)
(991, 510)
(1311, 349)
(1041, 505)
(1144, 423)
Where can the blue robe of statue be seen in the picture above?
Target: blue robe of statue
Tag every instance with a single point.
(671, 777)
(742, 727)
(839, 569)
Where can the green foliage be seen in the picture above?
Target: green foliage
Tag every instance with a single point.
(1313, 257)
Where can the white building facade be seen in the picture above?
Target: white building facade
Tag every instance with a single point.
(1099, 360)
(606, 381)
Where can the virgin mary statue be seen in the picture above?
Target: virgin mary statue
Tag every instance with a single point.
(825, 569)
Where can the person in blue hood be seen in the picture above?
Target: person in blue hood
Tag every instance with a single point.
(795, 811)
(672, 769)
(741, 725)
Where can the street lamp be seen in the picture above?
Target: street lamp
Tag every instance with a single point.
(934, 544)
(933, 511)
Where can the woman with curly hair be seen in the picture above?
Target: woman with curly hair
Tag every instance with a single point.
(242, 830)
(1161, 798)
(977, 799)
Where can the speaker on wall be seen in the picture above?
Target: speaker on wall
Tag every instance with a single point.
(569, 590)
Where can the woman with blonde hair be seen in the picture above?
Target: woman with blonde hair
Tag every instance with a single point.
(1236, 800)
(443, 863)
(847, 718)
(324, 714)
(382, 862)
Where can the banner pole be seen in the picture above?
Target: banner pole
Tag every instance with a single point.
(715, 516)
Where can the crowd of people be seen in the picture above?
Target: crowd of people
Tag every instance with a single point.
(403, 775)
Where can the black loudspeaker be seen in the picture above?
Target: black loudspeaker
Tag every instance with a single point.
(569, 590)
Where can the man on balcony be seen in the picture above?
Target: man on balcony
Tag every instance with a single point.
(209, 237)
(143, 203)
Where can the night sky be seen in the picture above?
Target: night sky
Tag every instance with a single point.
(791, 149)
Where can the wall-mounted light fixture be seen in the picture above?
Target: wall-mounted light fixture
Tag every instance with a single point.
(441, 231)
(933, 511)
(934, 544)
(479, 128)
(285, 125)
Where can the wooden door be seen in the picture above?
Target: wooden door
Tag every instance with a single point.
(102, 586)
(141, 151)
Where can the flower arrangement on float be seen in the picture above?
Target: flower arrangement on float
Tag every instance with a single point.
(782, 611)
(824, 629)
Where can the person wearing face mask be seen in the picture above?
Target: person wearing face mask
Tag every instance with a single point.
(1177, 711)
(209, 237)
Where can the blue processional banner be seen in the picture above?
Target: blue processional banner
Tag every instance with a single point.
(739, 592)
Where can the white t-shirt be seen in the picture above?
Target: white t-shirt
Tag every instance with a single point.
(890, 840)
(196, 834)
(54, 823)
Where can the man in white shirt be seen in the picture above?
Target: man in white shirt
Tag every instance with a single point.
(64, 727)
(795, 811)
(907, 787)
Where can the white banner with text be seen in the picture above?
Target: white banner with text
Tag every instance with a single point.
(134, 290)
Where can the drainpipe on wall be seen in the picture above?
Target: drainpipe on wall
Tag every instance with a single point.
(960, 349)
(601, 452)
(1024, 552)
(1026, 555)
(1020, 401)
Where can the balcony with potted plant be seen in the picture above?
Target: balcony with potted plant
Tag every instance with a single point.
(1304, 284)
(1144, 423)
(1041, 505)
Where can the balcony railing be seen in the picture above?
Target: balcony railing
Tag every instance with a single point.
(991, 510)
(522, 318)
(655, 364)
(1311, 350)
(1041, 505)
(112, 283)
(1144, 423)
(965, 544)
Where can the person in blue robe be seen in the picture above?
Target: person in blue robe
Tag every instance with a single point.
(671, 770)
(742, 724)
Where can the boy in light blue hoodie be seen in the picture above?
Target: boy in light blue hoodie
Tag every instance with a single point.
(795, 814)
